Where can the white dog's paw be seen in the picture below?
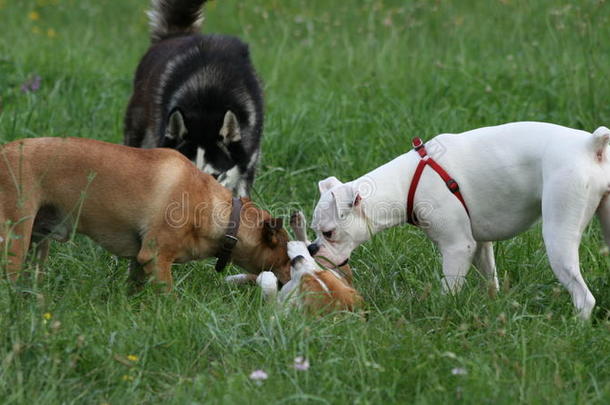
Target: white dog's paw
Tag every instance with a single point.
(302, 264)
(297, 248)
(241, 279)
(268, 283)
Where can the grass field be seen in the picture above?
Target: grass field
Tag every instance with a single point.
(348, 84)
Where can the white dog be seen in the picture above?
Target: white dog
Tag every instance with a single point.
(509, 176)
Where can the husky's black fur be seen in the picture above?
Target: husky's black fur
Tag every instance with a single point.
(198, 94)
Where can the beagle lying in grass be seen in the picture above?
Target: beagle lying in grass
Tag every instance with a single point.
(311, 287)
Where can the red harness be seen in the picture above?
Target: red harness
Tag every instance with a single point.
(426, 160)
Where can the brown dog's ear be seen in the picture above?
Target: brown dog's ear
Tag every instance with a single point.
(271, 228)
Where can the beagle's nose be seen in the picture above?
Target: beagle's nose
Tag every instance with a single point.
(313, 249)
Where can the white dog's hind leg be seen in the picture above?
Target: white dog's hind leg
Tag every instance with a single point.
(603, 213)
(566, 211)
(485, 263)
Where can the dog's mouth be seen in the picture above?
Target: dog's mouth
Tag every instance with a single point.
(330, 264)
(343, 263)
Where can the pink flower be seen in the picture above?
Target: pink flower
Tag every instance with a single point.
(301, 363)
(31, 85)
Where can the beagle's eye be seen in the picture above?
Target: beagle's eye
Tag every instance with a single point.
(328, 234)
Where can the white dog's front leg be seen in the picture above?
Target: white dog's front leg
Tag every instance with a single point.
(448, 225)
(485, 263)
(457, 259)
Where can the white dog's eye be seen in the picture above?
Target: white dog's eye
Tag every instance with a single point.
(328, 234)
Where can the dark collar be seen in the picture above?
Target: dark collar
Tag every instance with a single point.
(230, 238)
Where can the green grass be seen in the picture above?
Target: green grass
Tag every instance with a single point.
(348, 84)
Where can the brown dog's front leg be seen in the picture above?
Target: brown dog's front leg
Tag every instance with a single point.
(157, 267)
(42, 252)
(137, 277)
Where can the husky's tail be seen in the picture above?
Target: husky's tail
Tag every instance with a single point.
(170, 18)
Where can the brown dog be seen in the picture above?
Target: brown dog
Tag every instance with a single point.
(152, 205)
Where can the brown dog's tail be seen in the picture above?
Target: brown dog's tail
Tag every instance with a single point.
(169, 18)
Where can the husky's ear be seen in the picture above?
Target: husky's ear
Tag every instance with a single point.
(346, 199)
(175, 127)
(230, 129)
(328, 183)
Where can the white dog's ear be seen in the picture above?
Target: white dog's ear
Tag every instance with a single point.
(328, 183)
(176, 129)
(346, 199)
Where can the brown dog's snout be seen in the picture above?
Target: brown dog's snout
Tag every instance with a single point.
(313, 249)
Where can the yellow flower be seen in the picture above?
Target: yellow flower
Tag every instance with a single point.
(36, 30)
(51, 33)
(132, 357)
(47, 315)
(34, 16)
(127, 377)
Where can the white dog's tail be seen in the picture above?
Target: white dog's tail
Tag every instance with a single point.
(600, 143)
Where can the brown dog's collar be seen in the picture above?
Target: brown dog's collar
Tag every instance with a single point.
(230, 238)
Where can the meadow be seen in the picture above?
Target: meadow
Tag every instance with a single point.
(347, 84)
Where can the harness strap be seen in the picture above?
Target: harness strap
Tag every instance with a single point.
(426, 160)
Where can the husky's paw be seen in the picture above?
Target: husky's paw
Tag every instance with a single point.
(268, 283)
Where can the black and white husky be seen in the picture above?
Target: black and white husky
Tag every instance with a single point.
(198, 94)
